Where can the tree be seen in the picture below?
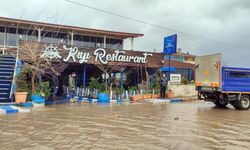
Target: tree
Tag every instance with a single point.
(31, 54)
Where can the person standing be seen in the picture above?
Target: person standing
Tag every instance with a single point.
(72, 85)
(164, 84)
(55, 83)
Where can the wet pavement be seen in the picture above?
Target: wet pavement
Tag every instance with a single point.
(195, 125)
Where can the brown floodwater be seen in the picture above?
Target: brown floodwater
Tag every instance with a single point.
(196, 125)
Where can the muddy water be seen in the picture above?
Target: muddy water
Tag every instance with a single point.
(197, 125)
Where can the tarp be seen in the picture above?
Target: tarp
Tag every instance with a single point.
(167, 69)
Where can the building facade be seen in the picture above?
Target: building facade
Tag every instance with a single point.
(82, 51)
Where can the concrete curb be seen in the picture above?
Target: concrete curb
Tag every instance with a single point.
(12, 109)
(175, 100)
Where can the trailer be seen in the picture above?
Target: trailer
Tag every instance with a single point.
(220, 84)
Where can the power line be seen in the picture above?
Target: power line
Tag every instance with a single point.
(157, 26)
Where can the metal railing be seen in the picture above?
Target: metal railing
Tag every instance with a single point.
(14, 74)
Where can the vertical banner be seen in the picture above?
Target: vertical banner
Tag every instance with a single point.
(170, 44)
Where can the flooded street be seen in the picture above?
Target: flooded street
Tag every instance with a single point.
(197, 125)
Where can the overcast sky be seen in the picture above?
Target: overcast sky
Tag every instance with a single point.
(221, 20)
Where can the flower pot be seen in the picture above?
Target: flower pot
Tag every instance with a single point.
(155, 95)
(137, 97)
(37, 99)
(147, 96)
(103, 98)
(20, 97)
(170, 94)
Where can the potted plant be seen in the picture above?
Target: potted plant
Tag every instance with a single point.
(155, 93)
(119, 94)
(93, 86)
(21, 94)
(137, 97)
(170, 94)
(156, 87)
(23, 87)
(147, 95)
(103, 96)
(42, 93)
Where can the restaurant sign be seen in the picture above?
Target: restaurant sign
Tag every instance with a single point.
(100, 54)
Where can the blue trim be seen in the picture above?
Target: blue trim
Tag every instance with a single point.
(135, 81)
(84, 75)
(121, 80)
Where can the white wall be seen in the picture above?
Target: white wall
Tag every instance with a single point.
(183, 90)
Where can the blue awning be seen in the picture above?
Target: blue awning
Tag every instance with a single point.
(167, 69)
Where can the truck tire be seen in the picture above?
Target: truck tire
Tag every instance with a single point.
(218, 104)
(244, 102)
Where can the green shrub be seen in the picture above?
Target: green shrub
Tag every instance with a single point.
(184, 81)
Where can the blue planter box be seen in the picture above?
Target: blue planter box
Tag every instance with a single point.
(26, 104)
(34, 97)
(37, 99)
(103, 98)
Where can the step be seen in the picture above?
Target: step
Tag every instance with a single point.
(5, 77)
(7, 59)
(7, 56)
(4, 91)
(6, 73)
(2, 70)
(7, 69)
(5, 81)
(5, 100)
(6, 96)
(4, 84)
(7, 63)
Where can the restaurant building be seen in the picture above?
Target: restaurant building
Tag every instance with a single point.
(86, 52)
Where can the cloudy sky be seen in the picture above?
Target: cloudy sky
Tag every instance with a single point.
(225, 21)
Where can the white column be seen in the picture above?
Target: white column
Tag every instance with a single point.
(122, 44)
(104, 41)
(132, 43)
(39, 34)
(72, 38)
(68, 41)
(5, 39)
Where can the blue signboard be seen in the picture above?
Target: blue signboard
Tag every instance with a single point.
(170, 43)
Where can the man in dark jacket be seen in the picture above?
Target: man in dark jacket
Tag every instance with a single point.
(164, 84)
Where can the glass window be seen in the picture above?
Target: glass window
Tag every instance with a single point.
(1, 35)
(11, 37)
(27, 34)
(99, 42)
(237, 74)
(92, 42)
(78, 40)
(50, 37)
(114, 43)
(86, 41)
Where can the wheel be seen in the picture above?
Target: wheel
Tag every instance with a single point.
(244, 102)
(218, 104)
